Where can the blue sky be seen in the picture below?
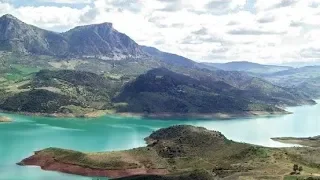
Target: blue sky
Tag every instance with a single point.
(263, 31)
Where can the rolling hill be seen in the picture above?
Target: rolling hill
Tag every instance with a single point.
(163, 91)
(306, 79)
(250, 67)
(63, 91)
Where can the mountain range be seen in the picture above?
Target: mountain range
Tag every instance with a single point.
(100, 40)
(95, 67)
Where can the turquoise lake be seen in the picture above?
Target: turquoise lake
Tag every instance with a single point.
(26, 134)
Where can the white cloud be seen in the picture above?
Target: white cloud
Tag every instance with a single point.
(270, 31)
(67, 1)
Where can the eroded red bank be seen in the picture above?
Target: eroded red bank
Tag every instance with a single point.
(48, 163)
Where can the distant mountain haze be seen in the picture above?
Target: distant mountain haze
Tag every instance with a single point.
(249, 67)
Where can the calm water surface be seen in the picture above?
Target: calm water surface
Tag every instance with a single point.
(27, 134)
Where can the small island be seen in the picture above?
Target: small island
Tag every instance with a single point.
(310, 141)
(4, 119)
(183, 152)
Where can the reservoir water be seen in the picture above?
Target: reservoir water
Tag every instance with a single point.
(25, 135)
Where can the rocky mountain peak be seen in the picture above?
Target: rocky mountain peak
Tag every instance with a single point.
(106, 26)
(7, 21)
(9, 16)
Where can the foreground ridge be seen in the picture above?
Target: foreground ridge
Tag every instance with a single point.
(180, 151)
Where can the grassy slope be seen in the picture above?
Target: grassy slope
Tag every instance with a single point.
(182, 149)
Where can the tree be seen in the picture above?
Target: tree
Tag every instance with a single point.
(295, 168)
(300, 169)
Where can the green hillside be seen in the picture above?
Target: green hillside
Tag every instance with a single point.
(63, 91)
(163, 91)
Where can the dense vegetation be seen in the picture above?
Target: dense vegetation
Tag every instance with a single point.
(163, 91)
(63, 91)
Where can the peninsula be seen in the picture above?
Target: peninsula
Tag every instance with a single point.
(182, 151)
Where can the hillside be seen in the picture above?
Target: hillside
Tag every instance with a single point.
(304, 78)
(61, 91)
(194, 175)
(169, 58)
(164, 91)
(37, 77)
(158, 92)
(249, 67)
(181, 150)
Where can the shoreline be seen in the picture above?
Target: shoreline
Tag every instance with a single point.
(97, 114)
(4, 119)
(223, 116)
(154, 159)
(313, 142)
(49, 163)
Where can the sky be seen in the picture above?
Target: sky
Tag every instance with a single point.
(262, 31)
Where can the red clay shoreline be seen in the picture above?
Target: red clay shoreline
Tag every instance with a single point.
(48, 163)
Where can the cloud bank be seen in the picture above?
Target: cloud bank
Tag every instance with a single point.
(271, 31)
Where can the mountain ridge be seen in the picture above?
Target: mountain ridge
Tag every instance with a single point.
(96, 40)
(249, 67)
